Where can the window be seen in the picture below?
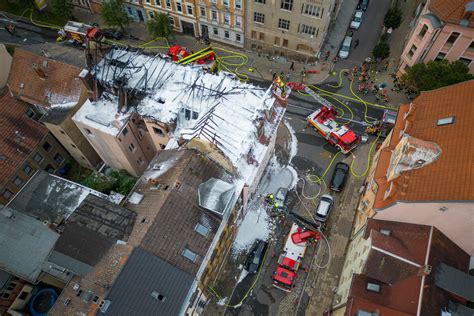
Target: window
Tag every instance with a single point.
(471, 47)
(131, 147)
(158, 131)
(373, 287)
(254, 35)
(423, 31)
(201, 229)
(23, 295)
(386, 232)
(88, 131)
(261, 37)
(440, 56)
(259, 17)
(30, 113)
(238, 4)
(445, 121)
(202, 11)
(260, 1)
(179, 7)
(214, 15)
(412, 51)
(309, 30)
(37, 157)
(171, 19)
(237, 37)
(451, 39)
(50, 169)
(18, 182)
(285, 43)
(216, 31)
(168, 4)
(58, 158)
(139, 161)
(27, 169)
(125, 131)
(465, 61)
(190, 9)
(62, 132)
(283, 24)
(226, 19)
(311, 9)
(277, 41)
(188, 254)
(7, 194)
(225, 3)
(47, 146)
(73, 146)
(226, 34)
(238, 21)
(286, 5)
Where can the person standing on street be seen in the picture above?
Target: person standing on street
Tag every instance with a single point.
(292, 66)
(356, 43)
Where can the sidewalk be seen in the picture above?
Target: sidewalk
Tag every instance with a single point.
(257, 68)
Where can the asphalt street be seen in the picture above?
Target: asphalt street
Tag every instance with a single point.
(25, 33)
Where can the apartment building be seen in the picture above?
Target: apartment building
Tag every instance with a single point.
(222, 21)
(182, 14)
(422, 173)
(289, 28)
(395, 268)
(25, 146)
(443, 29)
(134, 10)
(54, 93)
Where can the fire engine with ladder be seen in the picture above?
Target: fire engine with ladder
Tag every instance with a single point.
(290, 260)
(324, 121)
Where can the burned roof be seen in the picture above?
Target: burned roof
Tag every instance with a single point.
(50, 198)
(20, 136)
(25, 243)
(43, 81)
(148, 285)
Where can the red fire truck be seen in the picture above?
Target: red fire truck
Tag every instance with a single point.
(292, 256)
(324, 121)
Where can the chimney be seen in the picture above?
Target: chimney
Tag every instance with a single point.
(39, 71)
(89, 83)
(424, 270)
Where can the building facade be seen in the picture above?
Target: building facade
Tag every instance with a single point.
(222, 21)
(182, 14)
(289, 28)
(134, 10)
(443, 29)
(422, 172)
(27, 146)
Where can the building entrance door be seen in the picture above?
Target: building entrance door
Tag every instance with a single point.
(188, 28)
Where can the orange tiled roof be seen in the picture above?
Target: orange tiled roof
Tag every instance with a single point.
(20, 135)
(450, 11)
(449, 178)
(61, 85)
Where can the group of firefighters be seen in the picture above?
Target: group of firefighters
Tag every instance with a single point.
(271, 202)
(366, 85)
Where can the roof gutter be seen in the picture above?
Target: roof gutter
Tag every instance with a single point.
(420, 298)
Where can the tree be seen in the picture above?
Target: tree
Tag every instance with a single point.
(393, 18)
(113, 14)
(435, 74)
(160, 26)
(61, 8)
(381, 50)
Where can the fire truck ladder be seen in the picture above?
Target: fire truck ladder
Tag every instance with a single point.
(319, 99)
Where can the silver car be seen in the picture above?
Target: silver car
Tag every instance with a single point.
(346, 47)
(324, 207)
(357, 20)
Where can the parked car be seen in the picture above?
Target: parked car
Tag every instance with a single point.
(324, 207)
(357, 20)
(363, 5)
(339, 177)
(114, 34)
(255, 257)
(346, 47)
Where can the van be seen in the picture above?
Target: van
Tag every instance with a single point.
(324, 207)
(346, 47)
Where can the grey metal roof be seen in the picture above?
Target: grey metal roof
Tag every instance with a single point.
(56, 115)
(455, 281)
(142, 279)
(25, 243)
(48, 197)
(435, 22)
(215, 195)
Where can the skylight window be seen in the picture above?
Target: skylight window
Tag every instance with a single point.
(188, 254)
(386, 232)
(201, 229)
(373, 287)
(446, 121)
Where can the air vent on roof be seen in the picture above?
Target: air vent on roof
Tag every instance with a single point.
(158, 296)
(104, 305)
(135, 198)
(443, 209)
(156, 166)
(67, 301)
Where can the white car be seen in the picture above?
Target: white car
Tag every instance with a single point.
(324, 207)
(345, 48)
(357, 20)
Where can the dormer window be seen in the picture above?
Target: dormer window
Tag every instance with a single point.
(445, 121)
